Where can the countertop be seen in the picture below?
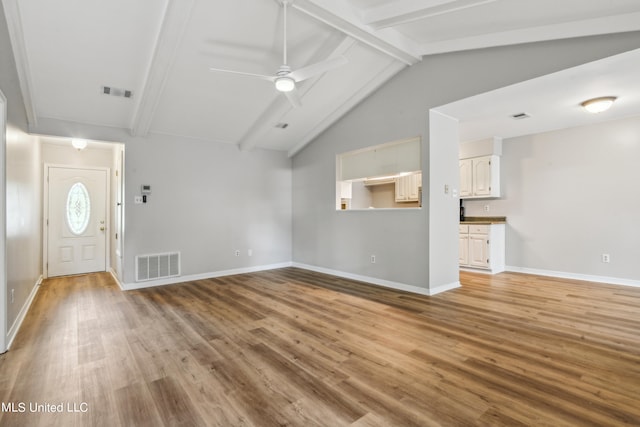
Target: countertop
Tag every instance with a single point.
(484, 220)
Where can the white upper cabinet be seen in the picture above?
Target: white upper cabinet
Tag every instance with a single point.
(408, 188)
(480, 177)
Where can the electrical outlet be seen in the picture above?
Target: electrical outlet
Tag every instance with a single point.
(606, 258)
(237, 252)
(373, 259)
(486, 208)
(12, 292)
(250, 252)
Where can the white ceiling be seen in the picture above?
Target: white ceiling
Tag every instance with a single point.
(162, 50)
(553, 101)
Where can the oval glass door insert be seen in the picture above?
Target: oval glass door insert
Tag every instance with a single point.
(78, 208)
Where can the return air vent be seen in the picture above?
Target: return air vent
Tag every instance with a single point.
(520, 116)
(157, 266)
(114, 91)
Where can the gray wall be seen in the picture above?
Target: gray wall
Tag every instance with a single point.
(208, 200)
(343, 241)
(24, 195)
(569, 196)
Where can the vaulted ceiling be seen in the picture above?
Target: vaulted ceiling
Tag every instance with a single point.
(161, 51)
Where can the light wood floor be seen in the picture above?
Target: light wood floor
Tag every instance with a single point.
(291, 347)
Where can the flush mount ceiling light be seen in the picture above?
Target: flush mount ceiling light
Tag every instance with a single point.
(598, 105)
(79, 144)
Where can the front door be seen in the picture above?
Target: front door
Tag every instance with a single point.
(77, 226)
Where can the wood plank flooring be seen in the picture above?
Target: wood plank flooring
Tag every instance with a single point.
(290, 347)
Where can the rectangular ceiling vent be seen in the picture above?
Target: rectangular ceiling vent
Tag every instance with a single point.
(157, 266)
(114, 91)
(520, 116)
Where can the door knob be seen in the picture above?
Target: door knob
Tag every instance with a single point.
(101, 228)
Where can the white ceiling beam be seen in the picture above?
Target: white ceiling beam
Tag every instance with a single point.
(589, 27)
(174, 23)
(361, 93)
(402, 11)
(16, 35)
(341, 16)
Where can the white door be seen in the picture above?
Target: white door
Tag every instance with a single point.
(77, 226)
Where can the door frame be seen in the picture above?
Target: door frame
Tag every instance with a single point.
(3, 225)
(45, 214)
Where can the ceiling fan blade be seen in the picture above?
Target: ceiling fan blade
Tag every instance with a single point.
(242, 73)
(317, 68)
(293, 98)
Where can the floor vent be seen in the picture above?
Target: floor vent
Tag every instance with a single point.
(157, 266)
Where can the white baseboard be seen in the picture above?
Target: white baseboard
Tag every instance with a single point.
(575, 276)
(115, 277)
(202, 276)
(13, 331)
(379, 282)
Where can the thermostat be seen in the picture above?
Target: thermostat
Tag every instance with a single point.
(146, 189)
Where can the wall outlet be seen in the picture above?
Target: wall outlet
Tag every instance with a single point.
(250, 252)
(373, 259)
(12, 292)
(237, 252)
(486, 208)
(606, 258)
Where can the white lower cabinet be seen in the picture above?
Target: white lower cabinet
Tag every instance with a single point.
(482, 246)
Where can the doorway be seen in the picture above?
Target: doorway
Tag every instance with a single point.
(76, 220)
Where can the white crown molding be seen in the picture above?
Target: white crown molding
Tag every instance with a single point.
(16, 35)
(176, 18)
(589, 27)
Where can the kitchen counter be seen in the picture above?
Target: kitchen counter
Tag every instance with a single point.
(484, 220)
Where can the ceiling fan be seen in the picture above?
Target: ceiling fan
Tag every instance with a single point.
(285, 78)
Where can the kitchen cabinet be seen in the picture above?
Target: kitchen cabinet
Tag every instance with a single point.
(482, 246)
(480, 177)
(408, 188)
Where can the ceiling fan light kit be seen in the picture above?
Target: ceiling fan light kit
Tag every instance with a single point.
(285, 84)
(285, 79)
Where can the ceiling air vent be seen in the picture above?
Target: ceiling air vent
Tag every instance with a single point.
(114, 91)
(520, 116)
(282, 125)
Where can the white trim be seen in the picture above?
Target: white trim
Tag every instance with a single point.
(3, 224)
(16, 36)
(13, 331)
(45, 211)
(202, 276)
(115, 278)
(380, 282)
(574, 276)
(444, 288)
(175, 21)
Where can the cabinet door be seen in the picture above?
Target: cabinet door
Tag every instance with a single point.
(464, 250)
(482, 176)
(401, 189)
(415, 183)
(466, 178)
(479, 250)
